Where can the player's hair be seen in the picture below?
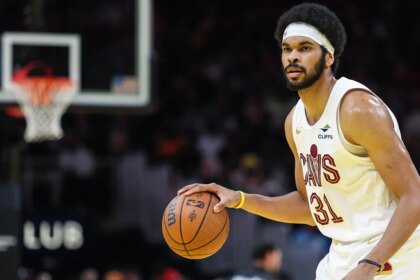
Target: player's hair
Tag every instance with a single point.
(261, 250)
(320, 17)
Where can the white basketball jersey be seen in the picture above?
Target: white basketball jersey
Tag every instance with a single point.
(348, 198)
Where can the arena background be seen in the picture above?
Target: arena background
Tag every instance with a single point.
(93, 201)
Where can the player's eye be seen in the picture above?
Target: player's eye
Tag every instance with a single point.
(305, 48)
(286, 49)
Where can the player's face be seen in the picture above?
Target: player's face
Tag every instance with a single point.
(273, 261)
(303, 62)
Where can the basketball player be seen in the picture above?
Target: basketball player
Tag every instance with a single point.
(355, 179)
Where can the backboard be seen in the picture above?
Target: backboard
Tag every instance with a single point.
(104, 47)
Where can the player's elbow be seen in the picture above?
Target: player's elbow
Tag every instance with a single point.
(411, 201)
(311, 222)
(308, 220)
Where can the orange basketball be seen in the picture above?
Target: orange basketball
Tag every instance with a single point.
(191, 228)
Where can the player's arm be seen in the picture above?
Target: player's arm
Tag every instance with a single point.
(289, 208)
(366, 121)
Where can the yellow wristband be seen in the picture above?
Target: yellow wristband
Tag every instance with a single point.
(241, 203)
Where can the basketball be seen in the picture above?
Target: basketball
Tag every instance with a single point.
(191, 228)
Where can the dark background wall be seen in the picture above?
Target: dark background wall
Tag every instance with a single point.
(219, 106)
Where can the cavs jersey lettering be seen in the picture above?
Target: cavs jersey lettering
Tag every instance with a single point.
(317, 166)
(348, 199)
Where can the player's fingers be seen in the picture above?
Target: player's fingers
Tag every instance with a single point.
(219, 206)
(229, 198)
(191, 189)
(195, 188)
(186, 188)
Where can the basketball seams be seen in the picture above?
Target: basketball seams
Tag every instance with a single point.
(210, 241)
(166, 227)
(202, 220)
(201, 230)
(195, 256)
(186, 243)
(180, 226)
(167, 230)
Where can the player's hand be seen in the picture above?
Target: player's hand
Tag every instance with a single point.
(362, 272)
(228, 198)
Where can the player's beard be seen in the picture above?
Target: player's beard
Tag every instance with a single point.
(310, 79)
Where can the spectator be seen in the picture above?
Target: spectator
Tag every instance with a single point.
(267, 261)
(89, 274)
(114, 275)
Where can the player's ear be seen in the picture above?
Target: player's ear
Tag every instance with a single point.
(329, 59)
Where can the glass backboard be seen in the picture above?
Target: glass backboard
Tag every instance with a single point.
(104, 47)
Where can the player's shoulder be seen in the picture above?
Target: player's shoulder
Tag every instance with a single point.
(360, 103)
(288, 129)
(288, 123)
(361, 113)
(289, 117)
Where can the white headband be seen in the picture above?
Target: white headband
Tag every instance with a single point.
(309, 31)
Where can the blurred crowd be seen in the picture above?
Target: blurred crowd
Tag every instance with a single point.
(219, 103)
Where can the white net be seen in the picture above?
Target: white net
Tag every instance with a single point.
(43, 101)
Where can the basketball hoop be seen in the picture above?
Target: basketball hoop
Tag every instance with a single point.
(43, 100)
